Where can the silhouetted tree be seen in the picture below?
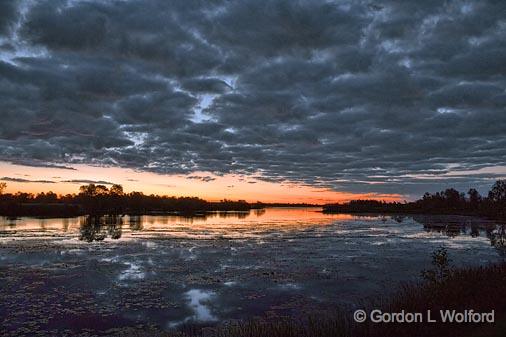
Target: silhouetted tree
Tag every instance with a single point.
(3, 186)
(474, 199)
(449, 201)
(47, 198)
(496, 203)
(98, 201)
(498, 192)
(116, 190)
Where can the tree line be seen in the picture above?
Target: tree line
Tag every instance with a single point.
(449, 201)
(100, 200)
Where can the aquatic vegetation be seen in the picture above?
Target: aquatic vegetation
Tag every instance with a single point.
(441, 267)
(200, 276)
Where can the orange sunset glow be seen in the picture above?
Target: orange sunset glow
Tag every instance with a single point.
(200, 184)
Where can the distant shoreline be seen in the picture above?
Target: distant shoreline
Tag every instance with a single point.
(447, 202)
(401, 212)
(494, 217)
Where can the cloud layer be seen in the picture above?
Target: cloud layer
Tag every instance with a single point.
(358, 96)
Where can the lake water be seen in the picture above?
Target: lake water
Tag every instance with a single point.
(165, 271)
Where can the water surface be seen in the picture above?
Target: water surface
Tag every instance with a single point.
(164, 271)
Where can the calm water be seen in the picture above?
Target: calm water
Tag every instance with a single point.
(163, 271)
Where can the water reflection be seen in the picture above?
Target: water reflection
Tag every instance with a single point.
(275, 223)
(453, 226)
(259, 212)
(239, 215)
(498, 238)
(135, 222)
(98, 228)
(398, 218)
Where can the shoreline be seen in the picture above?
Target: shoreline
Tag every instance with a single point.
(417, 212)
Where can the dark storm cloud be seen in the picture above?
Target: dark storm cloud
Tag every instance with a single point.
(34, 163)
(206, 85)
(384, 97)
(22, 180)
(87, 181)
(8, 16)
(205, 179)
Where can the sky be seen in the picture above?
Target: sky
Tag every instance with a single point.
(311, 100)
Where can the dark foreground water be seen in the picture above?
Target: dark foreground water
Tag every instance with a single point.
(85, 276)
